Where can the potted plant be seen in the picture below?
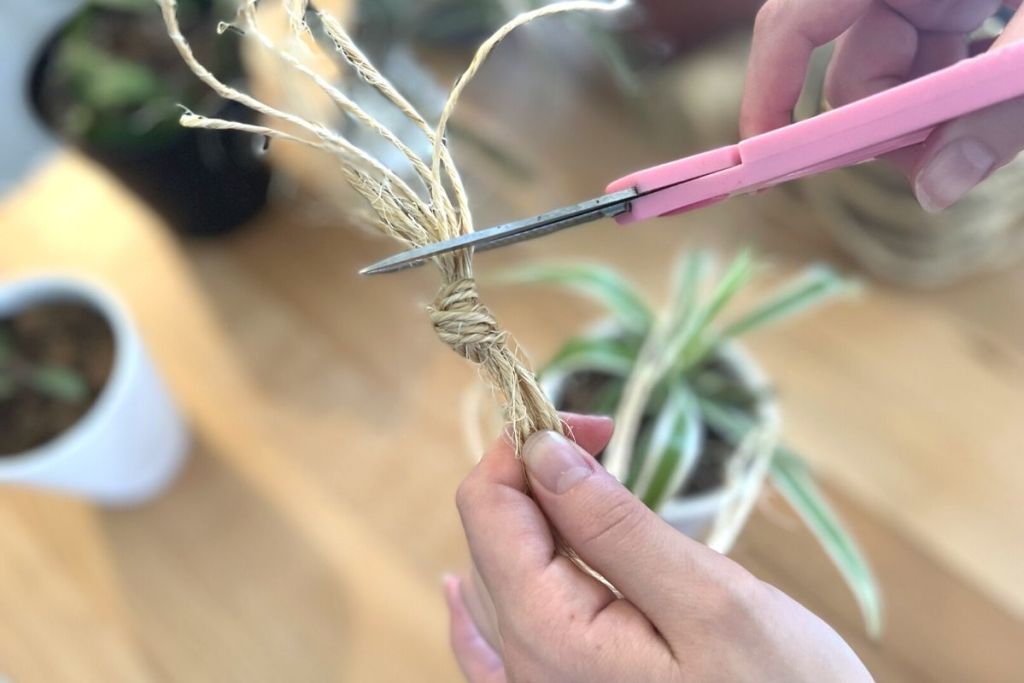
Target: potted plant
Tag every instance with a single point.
(111, 82)
(82, 407)
(697, 424)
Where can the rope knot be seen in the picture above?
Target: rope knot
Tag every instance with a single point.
(465, 324)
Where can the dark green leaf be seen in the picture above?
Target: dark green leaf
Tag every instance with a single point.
(105, 81)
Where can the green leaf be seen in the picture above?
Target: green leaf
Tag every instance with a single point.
(610, 355)
(791, 477)
(732, 424)
(600, 283)
(106, 81)
(793, 480)
(691, 271)
(740, 271)
(814, 287)
(714, 385)
(672, 450)
(679, 322)
(59, 383)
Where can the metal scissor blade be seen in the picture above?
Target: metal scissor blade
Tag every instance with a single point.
(546, 223)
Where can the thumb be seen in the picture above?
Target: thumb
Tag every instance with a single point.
(655, 567)
(962, 153)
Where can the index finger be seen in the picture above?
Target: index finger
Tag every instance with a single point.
(786, 32)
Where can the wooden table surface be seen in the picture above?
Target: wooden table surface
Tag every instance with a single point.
(306, 539)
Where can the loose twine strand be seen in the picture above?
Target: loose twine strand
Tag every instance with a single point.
(460, 319)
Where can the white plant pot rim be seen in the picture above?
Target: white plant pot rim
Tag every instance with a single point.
(750, 375)
(25, 292)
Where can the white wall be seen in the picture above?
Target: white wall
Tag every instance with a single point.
(25, 26)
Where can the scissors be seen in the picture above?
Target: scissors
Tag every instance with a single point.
(893, 119)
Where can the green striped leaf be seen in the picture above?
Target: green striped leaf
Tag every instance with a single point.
(672, 450)
(791, 477)
(814, 287)
(610, 355)
(680, 321)
(738, 275)
(599, 283)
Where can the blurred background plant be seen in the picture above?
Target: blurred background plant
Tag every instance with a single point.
(55, 358)
(653, 32)
(59, 382)
(623, 55)
(682, 412)
(405, 39)
(465, 23)
(111, 83)
(104, 84)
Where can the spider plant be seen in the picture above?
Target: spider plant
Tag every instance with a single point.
(667, 379)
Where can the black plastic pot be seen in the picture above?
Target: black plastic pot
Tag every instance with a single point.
(202, 182)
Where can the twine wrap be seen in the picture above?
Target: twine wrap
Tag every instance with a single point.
(465, 324)
(416, 218)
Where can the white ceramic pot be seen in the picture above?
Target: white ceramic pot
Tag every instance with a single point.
(696, 516)
(25, 29)
(132, 441)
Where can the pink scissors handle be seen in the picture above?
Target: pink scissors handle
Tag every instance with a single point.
(893, 119)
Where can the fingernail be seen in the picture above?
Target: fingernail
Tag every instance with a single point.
(555, 462)
(952, 173)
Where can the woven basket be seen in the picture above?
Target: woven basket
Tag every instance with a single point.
(871, 211)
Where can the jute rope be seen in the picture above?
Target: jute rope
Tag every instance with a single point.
(440, 212)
